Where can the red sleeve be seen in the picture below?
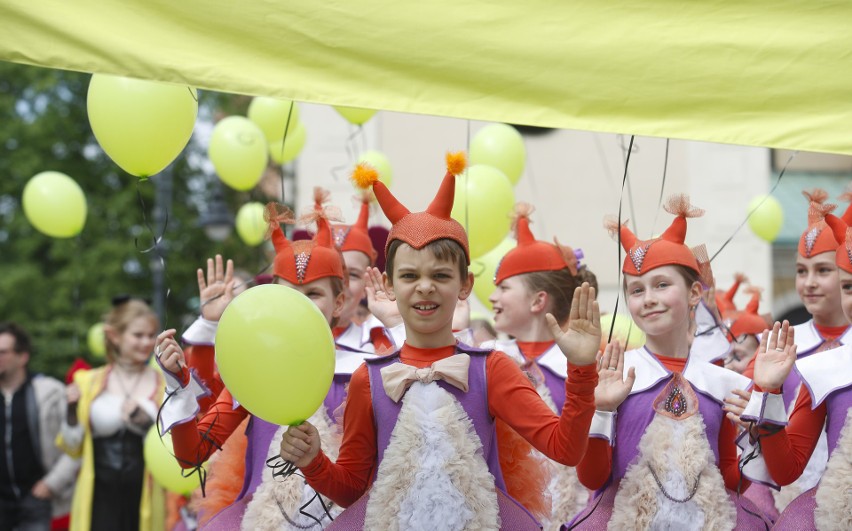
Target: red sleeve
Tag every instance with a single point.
(729, 461)
(195, 441)
(596, 466)
(202, 359)
(347, 480)
(513, 399)
(749, 370)
(787, 452)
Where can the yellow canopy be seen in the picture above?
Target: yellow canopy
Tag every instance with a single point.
(775, 74)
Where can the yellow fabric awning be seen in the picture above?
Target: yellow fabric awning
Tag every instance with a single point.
(762, 73)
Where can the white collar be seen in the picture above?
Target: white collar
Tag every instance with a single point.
(808, 338)
(706, 377)
(710, 343)
(352, 337)
(826, 372)
(552, 358)
(346, 361)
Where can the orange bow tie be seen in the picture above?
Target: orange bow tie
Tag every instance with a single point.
(398, 377)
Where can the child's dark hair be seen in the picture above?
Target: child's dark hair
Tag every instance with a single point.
(443, 249)
(559, 286)
(22, 338)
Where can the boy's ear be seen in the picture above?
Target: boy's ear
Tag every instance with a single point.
(388, 285)
(539, 302)
(339, 302)
(695, 294)
(467, 287)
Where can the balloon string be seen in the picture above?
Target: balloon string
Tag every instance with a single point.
(753, 210)
(351, 152)
(155, 240)
(284, 143)
(467, 186)
(626, 155)
(192, 94)
(620, 205)
(662, 187)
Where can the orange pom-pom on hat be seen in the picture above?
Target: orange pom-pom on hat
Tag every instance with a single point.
(749, 321)
(668, 249)
(418, 229)
(842, 234)
(725, 301)
(303, 261)
(816, 240)
(356, 237)
(531, 255)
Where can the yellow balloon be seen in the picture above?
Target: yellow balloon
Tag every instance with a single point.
(294, 144)
(485, 267)
(500, 146)
(163, 465)
(355, 115)
(238, 152)
(96, 341)
(55, 204)
(378, 160)
(250, 224)
(625, 330)
(273, 115)
(767, 220)
(484, 201)
(275, 353)
(142, 125)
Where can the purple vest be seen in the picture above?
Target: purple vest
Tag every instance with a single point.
(474, 402)
(637, 412)
(336, 394)
(556, 385)
(837, 406)
(260, 434)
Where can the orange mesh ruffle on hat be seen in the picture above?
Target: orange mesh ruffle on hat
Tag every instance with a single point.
(668, 249)
(816, 240)
(842, 234)
(303, 261)
(531, 255)
(419, 229)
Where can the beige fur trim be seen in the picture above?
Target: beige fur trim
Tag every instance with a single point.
(834, 493)
(675, 449)
(264, 512)
(430, 414)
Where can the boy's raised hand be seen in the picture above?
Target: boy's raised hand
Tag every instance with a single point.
(378, 301)
(218, 290)
(613, 388)
(582, 340)
(775, 356)
(300, 444)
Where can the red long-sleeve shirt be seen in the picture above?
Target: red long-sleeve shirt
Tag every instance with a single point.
(787, 452)
(511, 398)
(202, 359)
(595, 468)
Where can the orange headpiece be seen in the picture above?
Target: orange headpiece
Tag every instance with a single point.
(356, 237)
(816, 240)
(531, 255)
(725, 301)
(842, 233)
(419, 229)
(668, 249)
(302, 261)
(749, 321)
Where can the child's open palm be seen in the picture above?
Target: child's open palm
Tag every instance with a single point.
(775, 356)
(581, 341)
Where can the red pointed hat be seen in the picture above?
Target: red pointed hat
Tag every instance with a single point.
(749, 321)
(725, 301)
(302, 261)
(816, 240)
(418, 229)
(668, 249)
(531, 255)
(357, 237)
(842, 233)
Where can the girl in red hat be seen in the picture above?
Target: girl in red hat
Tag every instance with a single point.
(661, 452)
(419, 437)
(316, 269)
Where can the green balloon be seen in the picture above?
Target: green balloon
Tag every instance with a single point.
(251, 226)
(294, 144)
(238, 151)
(272, 115)
(485, 267)
(275, 353)
(55, 204)
(96, 340)
(164, 466)
(142, 125)
(484, 202)
(378, 160)
(355, 115)
(767, 220)
(500, 146)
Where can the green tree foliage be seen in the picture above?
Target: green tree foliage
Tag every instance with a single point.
(56, 288)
